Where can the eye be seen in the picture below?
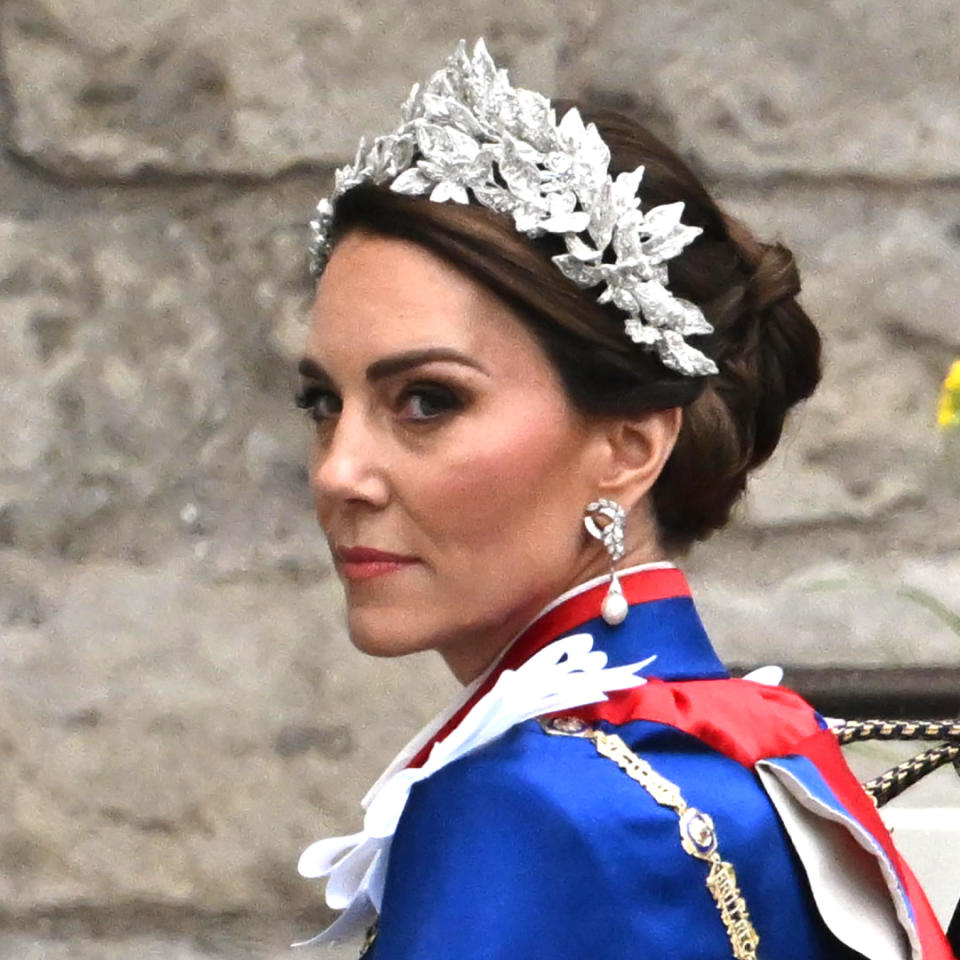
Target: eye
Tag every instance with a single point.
(428, 401)
(320, 405)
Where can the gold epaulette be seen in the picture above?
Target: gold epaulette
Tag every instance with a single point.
(698, 836)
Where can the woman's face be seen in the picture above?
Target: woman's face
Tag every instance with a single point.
(444, 436)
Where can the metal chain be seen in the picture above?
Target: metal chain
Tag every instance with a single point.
(698, 836)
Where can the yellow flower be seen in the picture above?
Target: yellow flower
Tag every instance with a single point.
(948, 414)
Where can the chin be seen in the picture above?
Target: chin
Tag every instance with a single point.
(375, 646)
(377, 635)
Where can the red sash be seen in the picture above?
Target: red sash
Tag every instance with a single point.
(749, 721)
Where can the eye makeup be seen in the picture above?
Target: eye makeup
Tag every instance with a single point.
(441, 397)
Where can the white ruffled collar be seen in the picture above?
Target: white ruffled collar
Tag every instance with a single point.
(567, 673)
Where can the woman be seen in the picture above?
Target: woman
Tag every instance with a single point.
(542, 362)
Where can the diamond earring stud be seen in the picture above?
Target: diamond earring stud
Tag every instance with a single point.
(605, 520)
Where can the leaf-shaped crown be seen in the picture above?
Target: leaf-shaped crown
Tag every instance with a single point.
(469, 132)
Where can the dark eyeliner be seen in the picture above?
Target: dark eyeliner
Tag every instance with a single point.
(436, 393)
(306, 399)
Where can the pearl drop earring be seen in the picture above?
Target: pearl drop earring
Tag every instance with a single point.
(614, 607)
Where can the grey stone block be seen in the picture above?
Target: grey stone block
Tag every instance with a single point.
(114, 89)
(135, 414)
(828, 90)
(881, 277)
(173, 741)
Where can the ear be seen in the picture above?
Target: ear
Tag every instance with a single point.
(636, 450)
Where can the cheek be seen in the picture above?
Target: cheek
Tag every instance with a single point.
(508, 481)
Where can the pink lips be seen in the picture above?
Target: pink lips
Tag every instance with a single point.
(362, 563)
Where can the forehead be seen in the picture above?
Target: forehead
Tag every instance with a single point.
(380, 295)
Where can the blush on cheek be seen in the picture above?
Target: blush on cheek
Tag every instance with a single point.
(505, 479)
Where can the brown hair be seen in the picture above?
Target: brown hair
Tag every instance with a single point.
(766, 347)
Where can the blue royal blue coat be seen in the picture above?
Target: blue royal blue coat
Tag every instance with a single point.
(538, 846)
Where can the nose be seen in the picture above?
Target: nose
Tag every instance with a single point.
(347, 463)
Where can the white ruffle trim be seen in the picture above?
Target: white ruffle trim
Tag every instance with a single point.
(566, 674)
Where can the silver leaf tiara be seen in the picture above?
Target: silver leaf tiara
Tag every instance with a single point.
(468, 131)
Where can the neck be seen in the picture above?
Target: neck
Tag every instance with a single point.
(472, 657)
(662, 622)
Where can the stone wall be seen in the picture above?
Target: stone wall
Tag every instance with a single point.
(180, 712)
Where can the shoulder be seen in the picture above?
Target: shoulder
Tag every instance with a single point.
(530, 775)
(539, 845)
(527, 792)
(542, 793)
(541, 838)
(530, 778)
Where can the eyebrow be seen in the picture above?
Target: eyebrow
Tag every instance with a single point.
(394, 364)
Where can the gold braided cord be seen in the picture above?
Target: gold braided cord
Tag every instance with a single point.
(854, 731)
(697, 832)
(894, 781)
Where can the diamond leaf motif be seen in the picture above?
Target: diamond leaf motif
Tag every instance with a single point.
(560, 202)
(479, 170)
(445, 145)
(456, 114)
(571, 131)
(627, 239)
(625, 189)
(448, 190)
(468, 130)
(640, 333)
(412, 181)
(691, 319)
(459, 64)
(576, 270)
(581, 250)
(483, 64)
(527, 218)
(594, 153)
(537, 119)
(496, 198)
(441, 84)
(666, 247)
(678, 355)
(625, 297)
(522, 177)
(566, 222)
(602, 218)
(412, 105)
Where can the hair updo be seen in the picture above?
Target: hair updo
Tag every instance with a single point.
(766, 347)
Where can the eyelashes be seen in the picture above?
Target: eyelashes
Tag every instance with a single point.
(308, 400)
(435, 400)
(430, 400)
